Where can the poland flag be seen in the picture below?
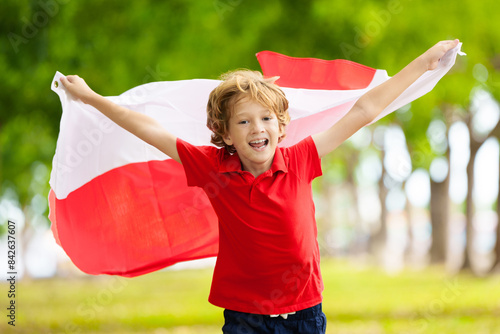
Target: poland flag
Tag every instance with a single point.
(120, 206)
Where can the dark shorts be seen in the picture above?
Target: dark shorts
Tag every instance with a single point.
(308, 321)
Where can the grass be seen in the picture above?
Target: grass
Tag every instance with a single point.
(356, 300)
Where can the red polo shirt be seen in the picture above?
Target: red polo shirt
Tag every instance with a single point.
(268, 261)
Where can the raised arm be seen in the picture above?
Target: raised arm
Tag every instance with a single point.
(142, 126)
(372, 103)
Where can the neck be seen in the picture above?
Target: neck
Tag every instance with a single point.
(256, 169)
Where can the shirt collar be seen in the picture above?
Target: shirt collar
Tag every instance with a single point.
(231, 163)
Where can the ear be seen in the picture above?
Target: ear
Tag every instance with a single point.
(227, 139)
(282, 134)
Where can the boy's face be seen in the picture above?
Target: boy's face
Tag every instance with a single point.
(254, 132)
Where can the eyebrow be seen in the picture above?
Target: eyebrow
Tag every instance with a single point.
(243, 113)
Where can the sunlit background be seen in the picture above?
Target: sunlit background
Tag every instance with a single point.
(419, 188)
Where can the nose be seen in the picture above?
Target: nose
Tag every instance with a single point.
(257, 127)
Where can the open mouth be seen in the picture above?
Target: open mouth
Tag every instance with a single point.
(259, 143)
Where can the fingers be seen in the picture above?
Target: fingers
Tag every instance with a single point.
(453, 43)
(64, 81)
(69, 78)
(71, 81)
(449, 44)
(444, 46)
(435, 53)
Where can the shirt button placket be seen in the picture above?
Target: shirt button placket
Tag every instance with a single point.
(252, 190)
(254, 187)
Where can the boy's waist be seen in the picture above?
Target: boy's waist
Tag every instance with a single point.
(303, 314)
(267, 298)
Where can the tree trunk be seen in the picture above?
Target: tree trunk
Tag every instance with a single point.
(439, 211)
(379, 238)
(496, 264)
(326, 221)
(469, 214)
(352, 159)
(410, 236)
(495, 267)
(496, 133)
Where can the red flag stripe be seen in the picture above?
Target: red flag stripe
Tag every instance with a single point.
(135, 219)
(312, 73)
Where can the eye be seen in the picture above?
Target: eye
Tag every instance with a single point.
(267, 118)
(243, 122)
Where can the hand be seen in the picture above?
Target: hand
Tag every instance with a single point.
(432, 56)
(77, 87)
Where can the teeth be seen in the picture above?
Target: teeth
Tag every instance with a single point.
(258, 141)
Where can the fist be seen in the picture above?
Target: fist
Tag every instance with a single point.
(434, 54)
(77, 87)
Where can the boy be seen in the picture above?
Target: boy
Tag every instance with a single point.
(267, 275)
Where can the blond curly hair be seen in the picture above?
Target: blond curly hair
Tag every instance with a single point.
(235, 86)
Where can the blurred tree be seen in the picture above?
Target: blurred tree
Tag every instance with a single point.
(439, 213)
(492, 82)
(379, 238)
(117, 45)
(480, 42)
(475, 144)
(495, 267)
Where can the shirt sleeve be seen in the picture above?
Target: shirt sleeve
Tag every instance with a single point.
(304, 159)
(198, 162)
